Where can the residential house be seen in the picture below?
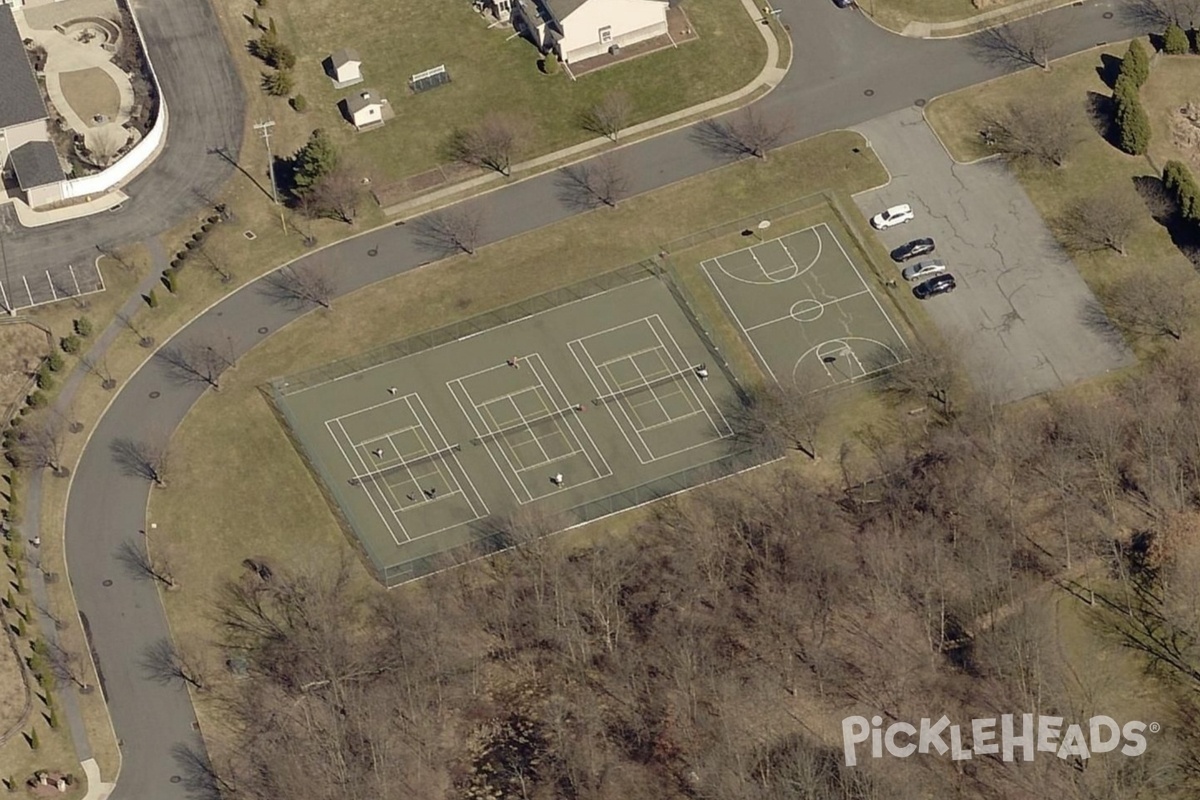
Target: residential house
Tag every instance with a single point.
(345, 68)
(579, 29)
(366, 109)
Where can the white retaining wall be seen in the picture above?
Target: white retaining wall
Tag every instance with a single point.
(141, 153)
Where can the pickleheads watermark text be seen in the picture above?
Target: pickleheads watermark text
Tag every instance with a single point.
(1007, 736)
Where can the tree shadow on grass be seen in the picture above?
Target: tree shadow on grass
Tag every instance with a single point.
(1109, 69)
(1163, 208)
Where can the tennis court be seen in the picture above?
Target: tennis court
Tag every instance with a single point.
(569, 408)
(806, 310)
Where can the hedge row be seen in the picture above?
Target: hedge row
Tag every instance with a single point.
(1133, 124)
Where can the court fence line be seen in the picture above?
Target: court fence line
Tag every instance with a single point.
(750, 222)
(488, 320)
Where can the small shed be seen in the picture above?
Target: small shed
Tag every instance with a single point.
(345, 68)
(367, 109)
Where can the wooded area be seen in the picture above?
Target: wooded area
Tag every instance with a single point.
(713, 652)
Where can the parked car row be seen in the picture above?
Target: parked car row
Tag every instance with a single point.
(932, 274)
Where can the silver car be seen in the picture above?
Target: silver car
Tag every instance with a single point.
(924, 269)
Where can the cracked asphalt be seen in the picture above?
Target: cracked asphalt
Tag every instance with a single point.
(1014, 320)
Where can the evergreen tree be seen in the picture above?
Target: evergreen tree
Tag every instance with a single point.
(1136, 63)
(314, 161)
(1175, 41)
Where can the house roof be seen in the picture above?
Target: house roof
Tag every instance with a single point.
(36, 164)
(20, 97)
(359, 101)
(562, 8)
(342, 57)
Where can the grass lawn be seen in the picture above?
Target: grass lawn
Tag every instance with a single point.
(248, 493)
(1094, 167)
(90, 92)
(22, 347)
(1174, 82)
(12, 678)
(491, 70)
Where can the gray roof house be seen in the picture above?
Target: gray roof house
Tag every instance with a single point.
(20, 97)
(36, 164)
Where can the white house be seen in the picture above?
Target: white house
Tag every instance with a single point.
(345, 68)
(579, 29)
(367, 109)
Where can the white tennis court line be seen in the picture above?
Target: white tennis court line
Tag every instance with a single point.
(450, 384)
(609, 389)
(358, 411)
(822, 306)
(646, 382)
(467, 475)
(329, 426)
(716, 406)
(571, 345)
(562, 402)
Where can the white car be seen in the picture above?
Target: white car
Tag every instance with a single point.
(896, 215)
(924, 269)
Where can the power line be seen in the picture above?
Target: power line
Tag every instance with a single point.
(264, 129)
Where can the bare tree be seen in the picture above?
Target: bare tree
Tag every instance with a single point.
(213, 264)
(69, 666)
(40, 446)
(610, 116)
(141, 566)
(1154, 303)
(337, 195)
(491, 144)
(1158, 14)
(144, 339)
(141, 459)
(301, 285)
(106, 144)
(749, 132)
(1024, 43)
(166, 663)
(99, 368)
(602, 181)
(451, 230)
(779, 417)
(198, 361)
(1100, 222)
(1042, 132)
(928, 374)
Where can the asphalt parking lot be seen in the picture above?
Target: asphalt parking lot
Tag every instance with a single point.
(1015, 316)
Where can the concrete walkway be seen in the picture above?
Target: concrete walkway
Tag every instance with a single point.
(34, 219)
(65, 54)
(969, 25)
(768, 78)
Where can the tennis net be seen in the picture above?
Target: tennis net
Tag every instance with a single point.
(650, 384)
(358, 480)
(526, 424)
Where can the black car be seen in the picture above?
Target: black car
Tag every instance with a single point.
(935, 286)
(915, 248)
(843, 3)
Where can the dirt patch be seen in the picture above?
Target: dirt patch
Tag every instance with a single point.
(91, 92)
(22, 347)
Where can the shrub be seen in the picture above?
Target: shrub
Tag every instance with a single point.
(54, 362)
(283, 57)
(70, 344)
(1136, 63)
(83, 326)
(152, 299)
(52, 721)
(1134, 126)
(34, 744)
(44, 380)
(1175, 41)
(37, 400)
(1180, 182)
(299, 103)
(169, 280)
(278, 83)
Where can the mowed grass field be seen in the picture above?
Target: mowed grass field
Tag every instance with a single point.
(90, 92)
(245, 492)
(1094, 167)
(491, 71)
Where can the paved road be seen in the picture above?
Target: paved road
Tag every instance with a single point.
(839, 56)
(1016, 317)
(205, 106)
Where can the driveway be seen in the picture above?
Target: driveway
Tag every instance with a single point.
(1015, 317)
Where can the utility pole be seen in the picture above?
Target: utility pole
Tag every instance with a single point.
(264, 129)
